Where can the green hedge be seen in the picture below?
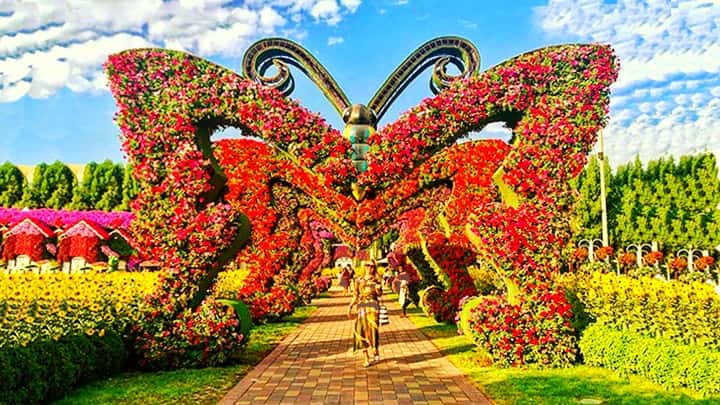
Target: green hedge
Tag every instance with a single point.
(672, 202)
(46, 370)
(686, 313)
(668, 363)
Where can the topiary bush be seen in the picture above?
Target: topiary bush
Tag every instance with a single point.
(46, 370)
(465, 314)
(428, 297)
(191, 191)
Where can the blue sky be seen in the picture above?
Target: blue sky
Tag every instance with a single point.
(54, 103)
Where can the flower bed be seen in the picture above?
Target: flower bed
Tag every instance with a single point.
(61, 235)
(229, 282)
(509, 331)
(65, 218)
(686, 313)
(49, 306)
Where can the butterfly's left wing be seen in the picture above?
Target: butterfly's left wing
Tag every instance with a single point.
(169, 103)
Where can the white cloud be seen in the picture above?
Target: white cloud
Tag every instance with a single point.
(493, 130)
(47, 45)
(335, 41)
(654, 38)
(665, 100)
(326, 10)
(683, 130)
(351, 5)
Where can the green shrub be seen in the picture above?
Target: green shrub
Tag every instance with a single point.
(581, 318)
(668, 363)
(47, 369)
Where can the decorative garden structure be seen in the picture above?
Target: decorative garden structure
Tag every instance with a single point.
(81, 241)
(120, 245)
(26, 242)
(508, 199)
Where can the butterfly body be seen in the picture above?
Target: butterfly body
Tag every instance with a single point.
(359, 127)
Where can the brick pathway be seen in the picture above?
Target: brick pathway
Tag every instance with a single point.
(314, 366)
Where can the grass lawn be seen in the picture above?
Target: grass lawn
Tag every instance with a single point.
(201, 386)
(576, 385)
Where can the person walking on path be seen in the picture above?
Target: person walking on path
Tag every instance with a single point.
(345, 279)
(367, 293)
(405, 285)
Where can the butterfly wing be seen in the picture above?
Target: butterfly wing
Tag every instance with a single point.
(542, 94)
(556, 100)
(169, 103)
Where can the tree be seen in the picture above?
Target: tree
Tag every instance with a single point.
(31, 195)
(101, 187)
(130, 188)
(587, 212)
(82, 199)
(12, 185)
(109, 186)
(675, 204)
(52, 186)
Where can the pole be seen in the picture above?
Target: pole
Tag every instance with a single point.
(603, 203)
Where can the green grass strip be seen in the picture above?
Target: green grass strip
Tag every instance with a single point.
(188, 386)
(576, 385)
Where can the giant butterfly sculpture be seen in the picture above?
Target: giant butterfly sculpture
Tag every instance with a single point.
(203, 204)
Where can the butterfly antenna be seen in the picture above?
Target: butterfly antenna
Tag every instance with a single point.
(280, 52)
(438, 52)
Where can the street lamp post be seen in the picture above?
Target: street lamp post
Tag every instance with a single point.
(603, 203)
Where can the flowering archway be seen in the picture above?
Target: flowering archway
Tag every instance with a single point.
(193, 192)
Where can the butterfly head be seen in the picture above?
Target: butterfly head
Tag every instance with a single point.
(359, 114)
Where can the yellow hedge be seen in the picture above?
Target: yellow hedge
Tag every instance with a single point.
(688, 313)
(37, 306)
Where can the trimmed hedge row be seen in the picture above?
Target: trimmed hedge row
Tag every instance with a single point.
(45, 370)
(686, 313)
(667, 362)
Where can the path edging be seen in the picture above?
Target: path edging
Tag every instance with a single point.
(251, 378)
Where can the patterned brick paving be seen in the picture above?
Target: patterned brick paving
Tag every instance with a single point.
(314, 365)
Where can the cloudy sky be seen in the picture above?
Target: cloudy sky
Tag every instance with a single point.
(54, 103)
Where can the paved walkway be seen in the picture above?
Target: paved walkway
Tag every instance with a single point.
(314, 366)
